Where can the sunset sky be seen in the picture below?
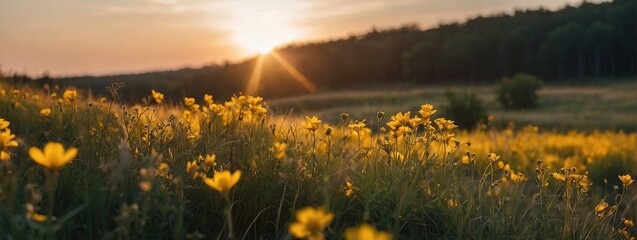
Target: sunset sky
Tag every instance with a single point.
(75, 37)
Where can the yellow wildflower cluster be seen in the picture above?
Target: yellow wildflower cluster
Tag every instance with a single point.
(426, 158)
(349, 189)
(399, 124)
(192, 122)
(190, 103)
(573, 149)
(242, 109)
(6, 139)
(70, 95)
(157, 96)
(569, 177)
(201, 166)
(626, 230)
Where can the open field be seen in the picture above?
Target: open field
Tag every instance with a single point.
(610, 105)
(202, 169)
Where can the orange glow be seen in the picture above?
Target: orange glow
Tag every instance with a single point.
(302, 79)
(252, 87)
(255, 77)
(260, 27)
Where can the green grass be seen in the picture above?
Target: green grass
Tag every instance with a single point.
(611, 106)
(425, 184)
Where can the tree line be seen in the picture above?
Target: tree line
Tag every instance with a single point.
(587, 41)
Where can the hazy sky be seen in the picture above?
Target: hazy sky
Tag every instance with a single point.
(72, 37)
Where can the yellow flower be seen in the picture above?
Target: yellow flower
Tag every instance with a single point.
(500, 165)
(452, 202)
(401, 118)
(559, 176)
(7, 139)
(416, 121)
(192, 169)
(210, 160)
(349, 190)
(70, 95)
(4, 155)
(312, 123)
(466, 160)
(493, 157)
(254, 100)
(45, 112)
(157, 96)
(54, 156)
(188, 102)
(280, 149)
(162, 169)
(357, 126)
(366, 232)
(310, 223)
(629, 223)
(402, 130)
(37, 217)
(517, 177)
(444, 124)
(427, 110)
(601, 206)
(626, 180)
(393, 125)
(4, 123)
(223, 181)
(208, 99)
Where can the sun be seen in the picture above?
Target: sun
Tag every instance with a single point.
(263, 37)
(261, 27)
(263, 50)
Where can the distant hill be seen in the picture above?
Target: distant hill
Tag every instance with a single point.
(588, 41)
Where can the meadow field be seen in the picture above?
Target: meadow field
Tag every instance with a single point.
(609, 105)
(374, 165)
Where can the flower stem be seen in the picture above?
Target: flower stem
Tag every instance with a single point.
(229, 216)
(51, 184)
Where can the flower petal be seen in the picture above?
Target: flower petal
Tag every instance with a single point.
(38, 157)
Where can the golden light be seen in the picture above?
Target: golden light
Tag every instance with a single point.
(259, 27)
(260, 42)
(255, 78)
(298, 76)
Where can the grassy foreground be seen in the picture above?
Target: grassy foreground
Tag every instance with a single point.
(204, 169)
